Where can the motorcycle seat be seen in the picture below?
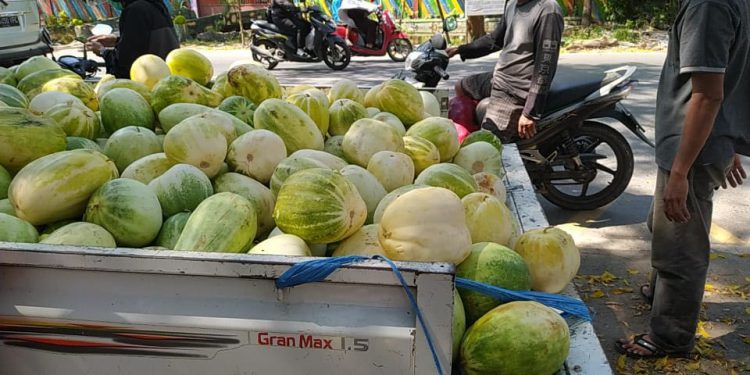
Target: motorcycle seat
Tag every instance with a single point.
(567, 89)
(268, 26)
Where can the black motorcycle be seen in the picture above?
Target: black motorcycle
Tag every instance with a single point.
(269, 47)
(576, 160)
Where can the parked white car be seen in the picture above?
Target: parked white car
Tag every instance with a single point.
(21, 33)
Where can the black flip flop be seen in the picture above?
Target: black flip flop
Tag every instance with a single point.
(654, 350)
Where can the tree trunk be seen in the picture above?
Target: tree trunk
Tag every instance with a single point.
(586, 17)
(242, 27)
(475, 27)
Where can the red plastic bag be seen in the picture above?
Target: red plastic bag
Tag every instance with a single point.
(461, 111)
(462, 132)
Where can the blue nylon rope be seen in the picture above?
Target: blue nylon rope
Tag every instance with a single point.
(317, 270)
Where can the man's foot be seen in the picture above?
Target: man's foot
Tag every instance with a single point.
(642, 347)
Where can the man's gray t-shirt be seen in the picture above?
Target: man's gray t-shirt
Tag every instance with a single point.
(709, 36)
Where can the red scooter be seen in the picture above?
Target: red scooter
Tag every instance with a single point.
(389, 39)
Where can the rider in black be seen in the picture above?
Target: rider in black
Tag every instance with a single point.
(286, 16)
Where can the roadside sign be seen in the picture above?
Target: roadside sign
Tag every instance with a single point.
(485, 7)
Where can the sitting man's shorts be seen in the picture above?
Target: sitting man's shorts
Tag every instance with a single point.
(504, 109)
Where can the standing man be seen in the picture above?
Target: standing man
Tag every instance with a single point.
(529, 36)
(145, 28)
(702, 124)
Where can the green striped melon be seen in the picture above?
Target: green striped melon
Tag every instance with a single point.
(32, 84)
(491, 264)
(76, 87)
(7, 77)
(441, 132)
(13, 229)
(46, 100)
(293, 125)
(149, 69)
(491, 184)
(129, 144)
(431, 103)
(190, 63)
(176, 89)
(392, 169)
(128, 209)
(363, 242)
(516, 338)
(76, 120)
(282, 244)
(239, 107)
(5, 179)
(344, 113)
(290, 166)
(77, 143)
(175, 113)
(449, 176)
(320, 206)
(289, 91)
(260, 196)
(459, 323)
(372, 111)
(254, 82)
(221, 86)
(171, 230)
(80, 234)
(6, 207)
(13, 97)
(124, 107)
(390, 197)
(331, 161)
(392, 120)
(33, 65)
(103, 87)
(368, 186)
(148, 168)
(345, 89)
(256, 154)
(422, 152)
(480, 157)
(199, 144)
(401, 99)
(367, 137)
(225, 222)
(334, 146)
(218, 119)
(315, 103)
(182, 188)
(488, 219)
(483, 135)
(25, 137)
(58, 186)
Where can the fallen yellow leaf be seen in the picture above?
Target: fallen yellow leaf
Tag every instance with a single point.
(618, 291)
(709, 287)
(747, 311)
(701, 331)
(608, 277)
(661, 363)
(733, 372)
(713, 256)
(746, 340)
(597, 294)
(693, 366)
(633, 272)
(747, 278)
(621, 363)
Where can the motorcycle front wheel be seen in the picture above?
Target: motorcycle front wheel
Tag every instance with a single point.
(607, 162)
(270, 48)
(399, 49)
(336, 54)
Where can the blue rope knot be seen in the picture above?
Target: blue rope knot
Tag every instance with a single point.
(317, 270)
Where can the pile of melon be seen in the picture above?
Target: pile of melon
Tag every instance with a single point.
(172, 160)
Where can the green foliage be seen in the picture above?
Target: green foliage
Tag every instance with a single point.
(179, 20)
(657, 13)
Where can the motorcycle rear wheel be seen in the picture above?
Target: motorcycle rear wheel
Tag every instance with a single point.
(588, 138)
(270, 48)
(399, 49)
(338, 55)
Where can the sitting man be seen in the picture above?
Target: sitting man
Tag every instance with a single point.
(286, 16)
(529, 36)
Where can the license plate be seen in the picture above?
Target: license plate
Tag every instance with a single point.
(9, 21)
